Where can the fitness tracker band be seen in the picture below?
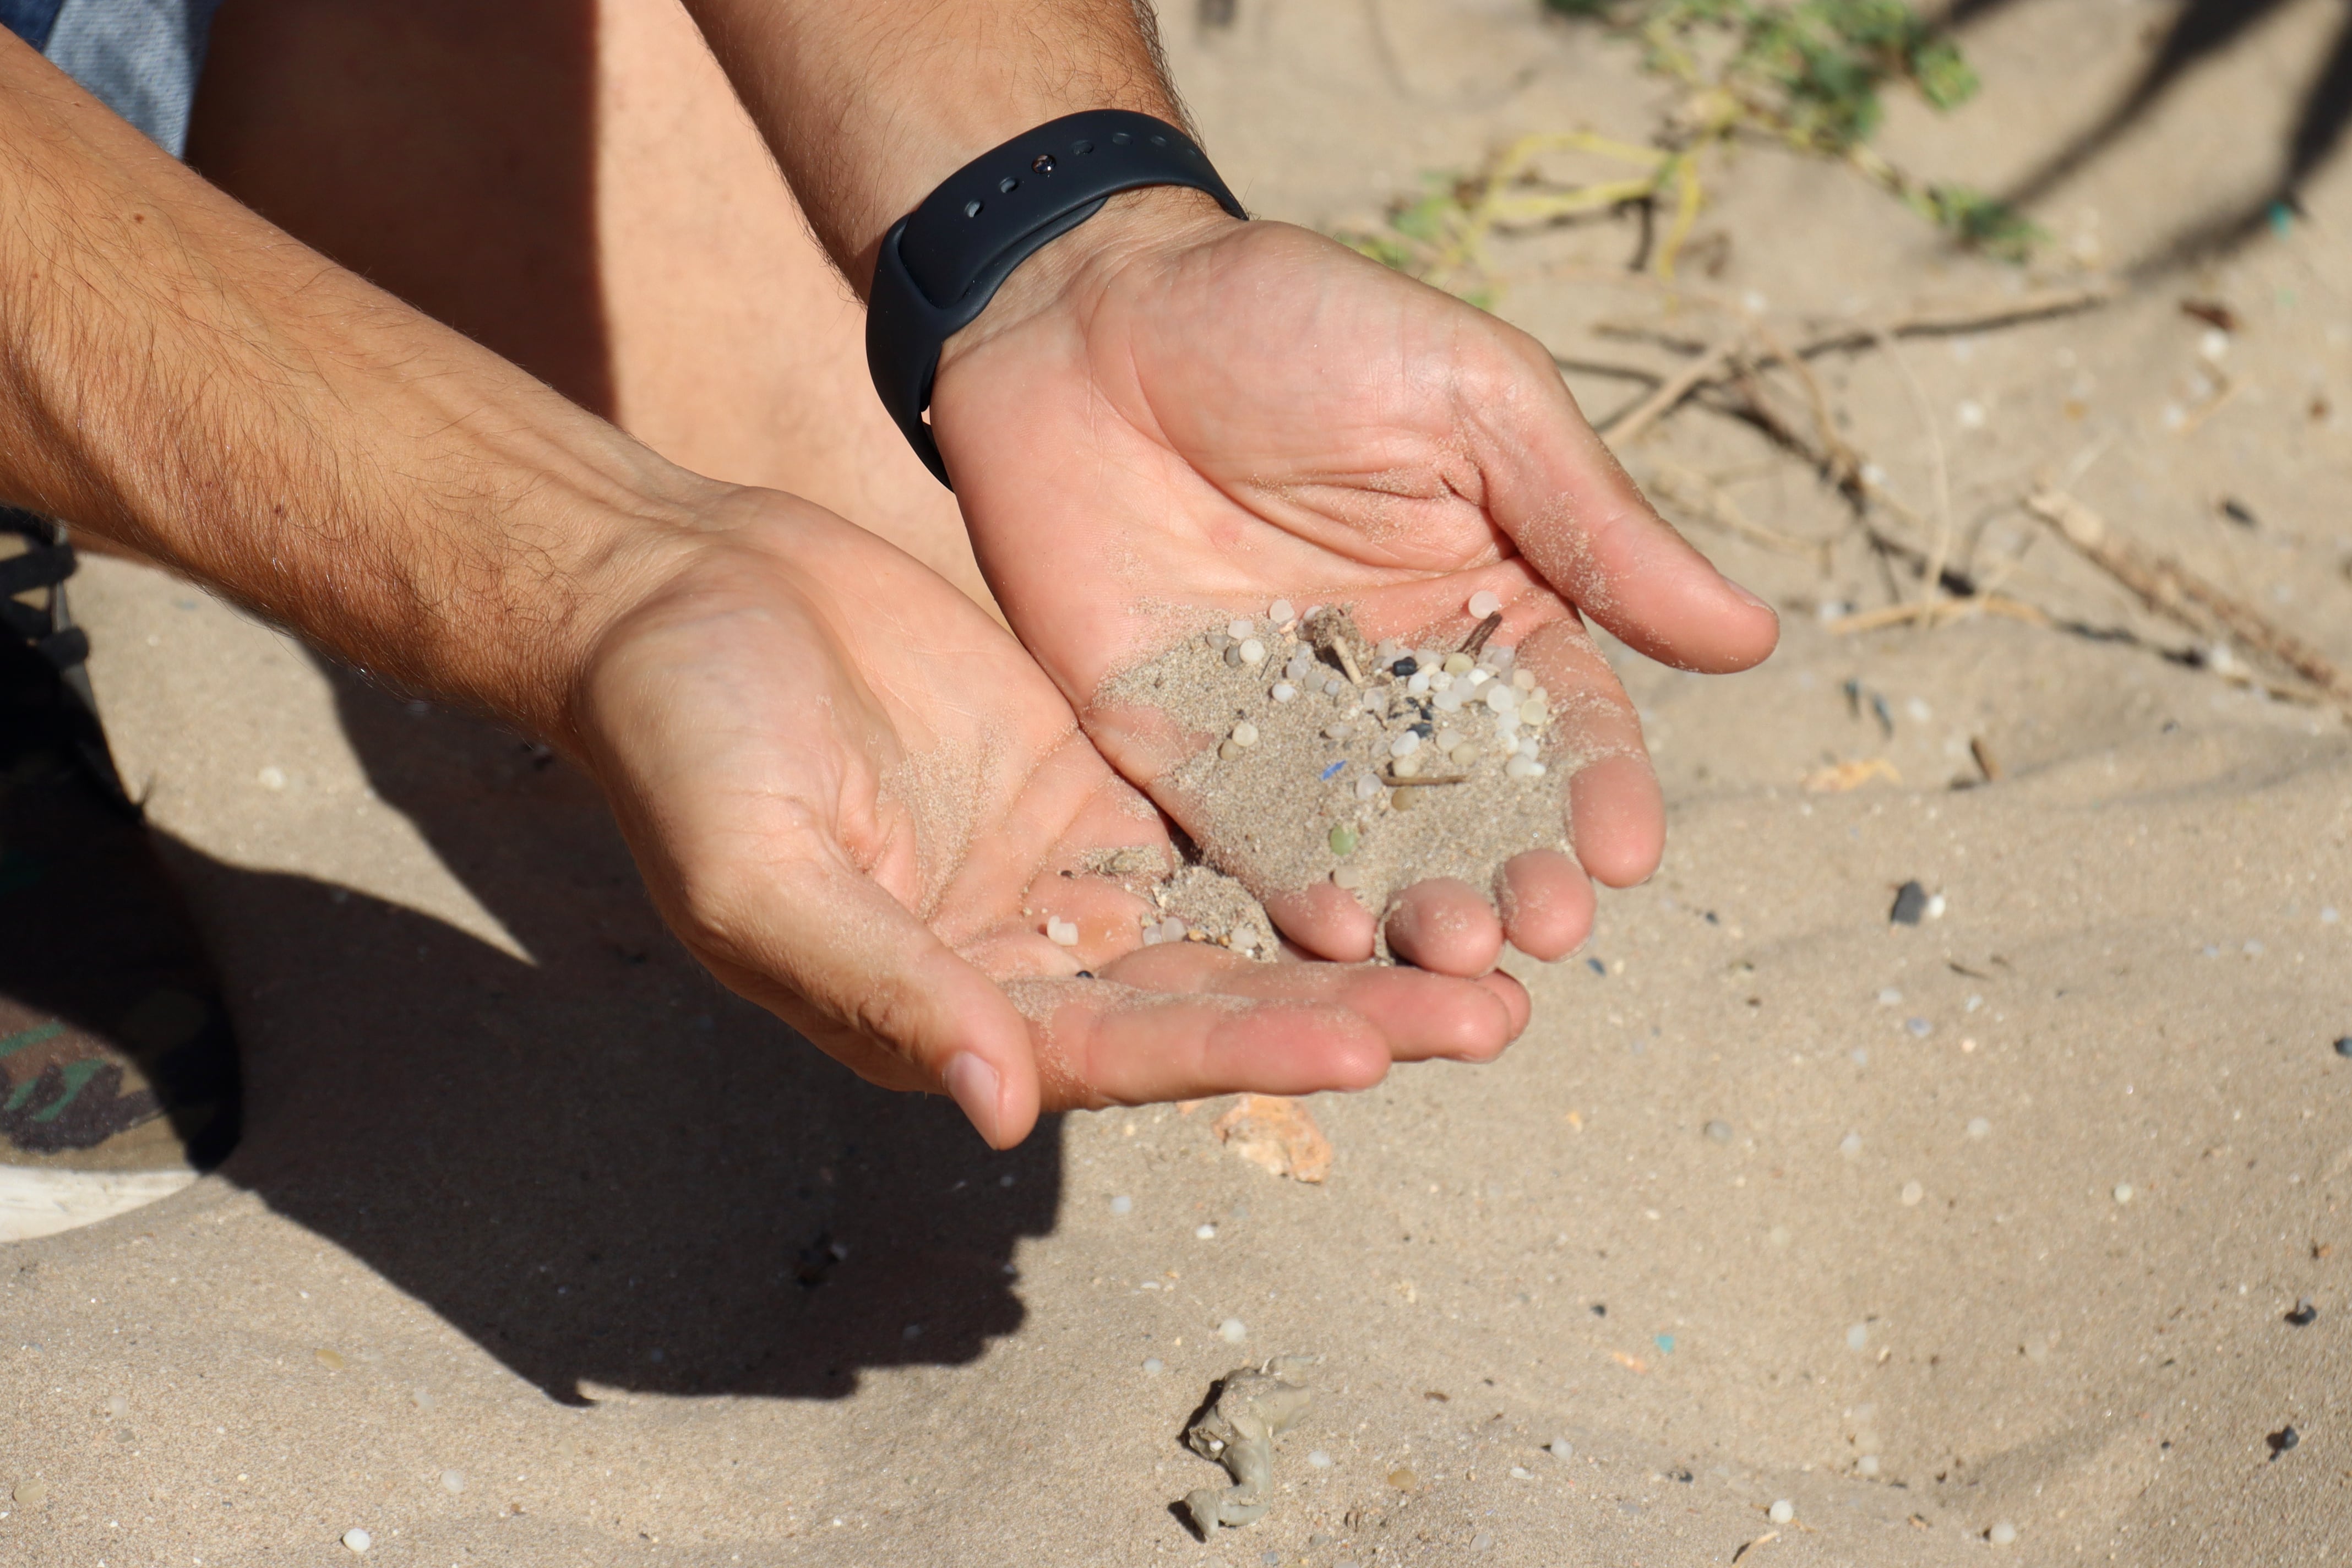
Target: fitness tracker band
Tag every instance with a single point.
(941, 264)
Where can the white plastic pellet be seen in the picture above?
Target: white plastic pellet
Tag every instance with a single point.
(1245, 733)
(1460, 664)
(1533, 711)
(1524, 680)
(1419, 684)
(1367, 787)
(1484, 603)
(1532, 748)
(1501, 657)
(1239, 629)
(358, 1539)
(1440, 680)
(1232, 1331)
(1122, 1204)
(1280, 613)
(1857, 1337)
(1205, 1232)
(1282, 691)
(1172, 929)
(1520, 767)
(453, 1481)
(2002, 1534)
(1319, 1460)
(1450, 701)
(1061, 932)
(1781, 1511)
(1560, 1449)
(1404, 746)
(1479, 676)
(1154, 1367)
(1503, 700)
(1251, 651)
(1338, 729)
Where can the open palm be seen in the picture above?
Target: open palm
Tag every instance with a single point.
(859, 804)
(1202, 416)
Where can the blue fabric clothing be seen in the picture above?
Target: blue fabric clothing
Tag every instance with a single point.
(138, 57)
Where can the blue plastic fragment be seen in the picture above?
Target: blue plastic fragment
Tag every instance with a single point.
(1595, 965)
(1666, 1343)
(1334, 768)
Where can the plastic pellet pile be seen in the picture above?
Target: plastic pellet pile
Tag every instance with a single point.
(1371, 766)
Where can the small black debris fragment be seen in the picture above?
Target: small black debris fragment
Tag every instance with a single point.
(2238, 512)
(1681, 1473)
(1600, 1308)
(2305, 1313)
(1085, 975)
(1910, 903)
(2283, 1439)
(1406, 667)
(2344, 1046)
(1598, 967)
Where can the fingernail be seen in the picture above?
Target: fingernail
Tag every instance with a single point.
(976, 1086)
(1750, 597)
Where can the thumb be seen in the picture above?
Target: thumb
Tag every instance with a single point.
(826, 948)
(1578, 517)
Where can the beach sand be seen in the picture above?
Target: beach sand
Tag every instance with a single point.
(542, 1249)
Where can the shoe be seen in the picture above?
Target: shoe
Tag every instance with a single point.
(118, 1070)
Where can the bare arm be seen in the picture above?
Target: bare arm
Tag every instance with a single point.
(869, 104)
(180, 377)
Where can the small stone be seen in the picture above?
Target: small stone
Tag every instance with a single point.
(1251, 651)
(1122, 1204)
(1280, 613)
(358, 1539)
(1912, 1192)
(2124, 1193)
(1781, 1511)
(1484, 603)
(1232, 1331)
(453, 1481)
(1343, 839)
(2283, 1439)
(1319, 1460)
(1910, 904)
(1979, 1128)
(1059, 932)
(1719, 1131)
(1205, 1233)
(2002, 1534)
(1154, 1367)
(1282, 691)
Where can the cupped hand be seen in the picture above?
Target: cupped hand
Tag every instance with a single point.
(860, 803)
(1168, 418)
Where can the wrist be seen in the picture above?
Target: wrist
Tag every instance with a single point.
(1135, 226)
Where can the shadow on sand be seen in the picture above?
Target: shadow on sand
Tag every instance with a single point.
(599, 1166)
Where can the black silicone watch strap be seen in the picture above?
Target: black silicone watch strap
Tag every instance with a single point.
(941, 264)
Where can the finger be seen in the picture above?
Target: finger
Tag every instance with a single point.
(1546, 902)
(1102, 1042)
(1418, 1016)
(1513, 996)
(1577, 515)
(1617, 818)
(1326, 920)
(1446, 925)
(832, 954)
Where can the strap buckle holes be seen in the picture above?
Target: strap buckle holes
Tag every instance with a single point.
(1008, 184)
(971, 209)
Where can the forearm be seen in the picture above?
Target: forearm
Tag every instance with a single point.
(869, 104)
(180, 377)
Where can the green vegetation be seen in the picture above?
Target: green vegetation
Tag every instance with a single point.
(1805, 74)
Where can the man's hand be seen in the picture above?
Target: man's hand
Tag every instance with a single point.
(1168, 414)
(859, 804)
